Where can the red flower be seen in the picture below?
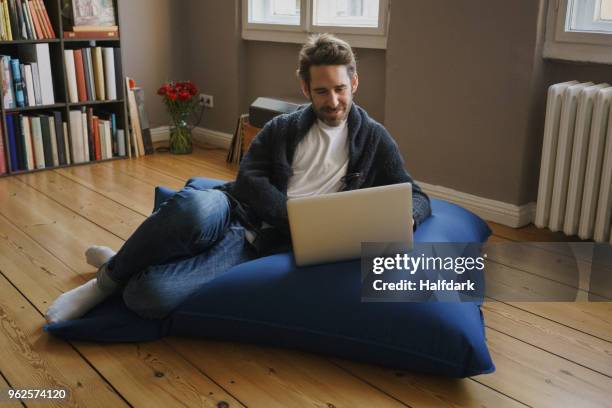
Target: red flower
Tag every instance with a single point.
(192, 89)
(162, 91)
(172, 95)
(184, 95)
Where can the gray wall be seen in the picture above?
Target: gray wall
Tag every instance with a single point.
(214, 54)
(458, 82)
(151, 39)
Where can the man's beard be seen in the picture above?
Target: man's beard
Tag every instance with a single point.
(323, 114)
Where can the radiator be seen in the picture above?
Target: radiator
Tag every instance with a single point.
(575, 186)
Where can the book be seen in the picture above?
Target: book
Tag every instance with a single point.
(3, 33)
(66, 143)
(37, 89)
(82, 28)
(32, 20)
(90, 133)
(98, 68)
(45, 129)
(10, 129)
(144, 121)
(103, 145)
(26, 135)
(41, 17)
(107, 139)
(234, 154)
(30, 35)
(20, 21)
(8, 96)
(91, 35)
(29, 82)
(80, 75)
(45, 16)
(136, 135)
(89, 76)
(73, 92)
(39, 53)
(2, 153)
(13, 21)
(113, 122)
(25, 89)
(37, 139)
(118, 73)
(54, 152)
(7, 21)
(76, 132)
(96, 137)
(86, 74)
(59, 135)
(109, 73)
(21, 142)
(17, 83)
(35, 20)
(120, 142)
(85, 134)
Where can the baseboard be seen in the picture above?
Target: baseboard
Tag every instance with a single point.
(160, 134)
(212, 137)
(200, 135)
(514, 216)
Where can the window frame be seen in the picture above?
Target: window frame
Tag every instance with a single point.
(361, 37)
(575, 45)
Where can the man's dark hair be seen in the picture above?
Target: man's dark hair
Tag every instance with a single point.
(325, 49)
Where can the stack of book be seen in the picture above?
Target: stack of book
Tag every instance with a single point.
(242, 139)
(42, 141)
(27, 78)
(37, 141)
(95, 136)
(93, 32)
(24, 20)
(234, 154)
(139, 134)
(93, 74)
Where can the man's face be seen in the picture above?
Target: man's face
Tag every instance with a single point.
(331, 92)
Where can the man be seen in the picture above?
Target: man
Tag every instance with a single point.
(328, 146)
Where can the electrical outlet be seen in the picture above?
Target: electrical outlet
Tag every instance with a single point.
(206, 100)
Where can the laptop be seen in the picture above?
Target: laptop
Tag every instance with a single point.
(331, 227)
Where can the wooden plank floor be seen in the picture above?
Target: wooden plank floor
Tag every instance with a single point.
(547, 354)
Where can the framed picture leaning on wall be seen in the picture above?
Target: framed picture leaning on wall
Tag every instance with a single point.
(93, 12)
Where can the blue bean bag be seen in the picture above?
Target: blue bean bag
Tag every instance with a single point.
(271, 301)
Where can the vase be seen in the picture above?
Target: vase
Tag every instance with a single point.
(180, 137)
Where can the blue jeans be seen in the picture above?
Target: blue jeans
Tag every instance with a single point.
(185, 243)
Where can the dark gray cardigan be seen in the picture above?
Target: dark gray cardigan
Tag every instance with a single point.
(260, 190)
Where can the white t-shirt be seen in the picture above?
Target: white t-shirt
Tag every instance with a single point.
(320, 161)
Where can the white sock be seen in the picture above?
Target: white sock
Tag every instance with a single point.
(76, 302)
(98, 255)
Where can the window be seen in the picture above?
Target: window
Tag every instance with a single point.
(274, 12)
(579, 30)
(363, 23)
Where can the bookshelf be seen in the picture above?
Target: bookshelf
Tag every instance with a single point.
(62, 104)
